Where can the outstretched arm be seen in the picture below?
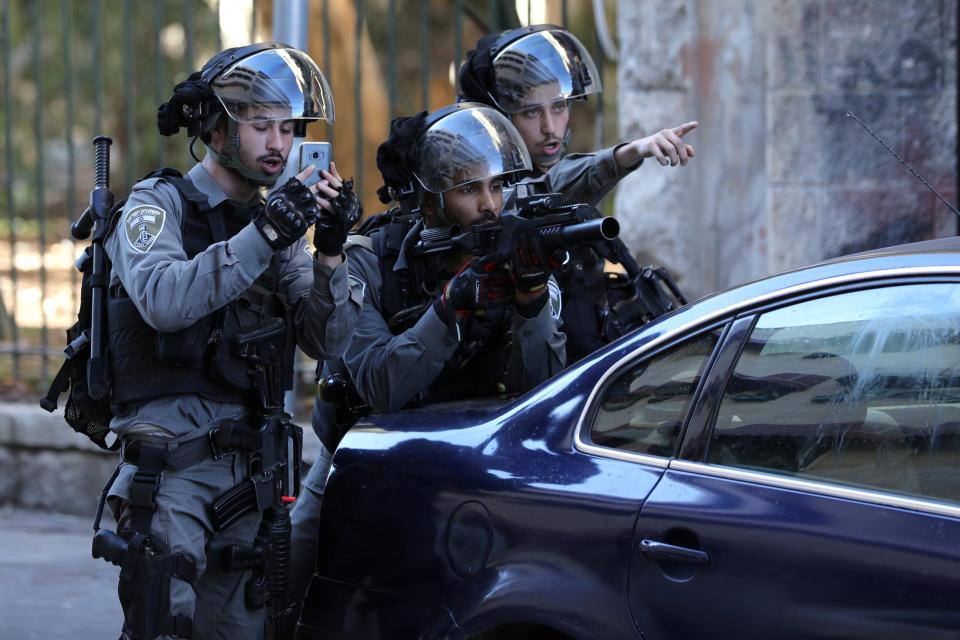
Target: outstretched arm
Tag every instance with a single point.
(666, 145)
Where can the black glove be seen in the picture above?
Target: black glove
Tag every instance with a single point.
(333, 226)
(289, 212)
(479, 285)
(183, 109)
(530, 268)
(531, 263)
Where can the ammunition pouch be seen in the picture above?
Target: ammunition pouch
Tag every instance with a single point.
(185, 348)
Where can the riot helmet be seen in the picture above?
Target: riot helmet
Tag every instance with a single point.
(278, 83)
(259, 82)
(528, 67)
(464, 143)
(457, 144)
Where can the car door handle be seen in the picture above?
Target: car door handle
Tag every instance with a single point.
(673, 553)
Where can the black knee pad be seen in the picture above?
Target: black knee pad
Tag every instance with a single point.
(144, 589)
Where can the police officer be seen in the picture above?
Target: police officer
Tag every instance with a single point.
(456, 327)
(211, 287)
(533, 75)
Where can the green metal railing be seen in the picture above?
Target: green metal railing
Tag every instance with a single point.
(75, 69)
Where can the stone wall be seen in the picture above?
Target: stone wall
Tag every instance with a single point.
(45, 465)
(782, 176)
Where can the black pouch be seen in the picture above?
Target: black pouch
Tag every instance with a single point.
(225, 367)
(84, 414)
(185, 348)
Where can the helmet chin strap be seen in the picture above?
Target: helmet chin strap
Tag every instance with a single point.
(438, 214)
(441, 213)
(544, 160)
(229, 158)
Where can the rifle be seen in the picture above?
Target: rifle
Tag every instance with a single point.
(559, 226)
(275, 449)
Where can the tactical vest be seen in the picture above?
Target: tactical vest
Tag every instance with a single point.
(205, 358)
(479, 365)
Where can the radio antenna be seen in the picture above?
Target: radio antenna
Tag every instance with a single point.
(916, 175)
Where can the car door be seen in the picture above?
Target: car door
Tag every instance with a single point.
(823, 497)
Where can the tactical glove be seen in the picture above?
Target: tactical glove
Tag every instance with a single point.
(333, 226)
(289, 212)
(531, 263)
(479, 285)
(530, 268)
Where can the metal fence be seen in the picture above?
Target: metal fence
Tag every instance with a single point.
(74, 69)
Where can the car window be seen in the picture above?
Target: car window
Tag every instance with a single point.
(860, 388)
(643, 408)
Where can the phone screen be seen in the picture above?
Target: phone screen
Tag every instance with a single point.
(316, 154)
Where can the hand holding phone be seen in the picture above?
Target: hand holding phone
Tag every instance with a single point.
(317, 155)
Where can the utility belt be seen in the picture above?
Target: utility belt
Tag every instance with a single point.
(231, 437)
(273, 447)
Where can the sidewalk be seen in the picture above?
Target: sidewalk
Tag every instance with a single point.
(52, 588)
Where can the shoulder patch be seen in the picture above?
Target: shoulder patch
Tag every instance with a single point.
(357, 288)
(556, 298)
(142, 226)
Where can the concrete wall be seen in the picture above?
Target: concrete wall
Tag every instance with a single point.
(782, 176)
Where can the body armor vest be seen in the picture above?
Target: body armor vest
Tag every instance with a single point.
(478, 366)
(205, 358)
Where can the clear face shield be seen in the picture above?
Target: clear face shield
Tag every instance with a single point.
(541, 68)
(272, 85)
(277, 84)
(469, 145)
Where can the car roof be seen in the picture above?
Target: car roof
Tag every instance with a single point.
(931, 257)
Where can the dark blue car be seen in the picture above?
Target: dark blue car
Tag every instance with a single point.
(781, 460)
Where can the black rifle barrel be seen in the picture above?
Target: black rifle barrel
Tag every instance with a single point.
(572, 235)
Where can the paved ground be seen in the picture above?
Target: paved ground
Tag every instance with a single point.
(50, 586)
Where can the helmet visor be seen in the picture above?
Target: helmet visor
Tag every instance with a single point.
(543, 67)
(468, 145)
(278, 84)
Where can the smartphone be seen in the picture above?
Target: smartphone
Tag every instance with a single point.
(316, 154)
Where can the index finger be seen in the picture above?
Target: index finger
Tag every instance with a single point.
(686, 128)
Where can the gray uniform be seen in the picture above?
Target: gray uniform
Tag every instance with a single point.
(583, 178)
(172, 293)
(390, 370)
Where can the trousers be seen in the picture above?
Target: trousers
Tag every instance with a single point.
(182, 523)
